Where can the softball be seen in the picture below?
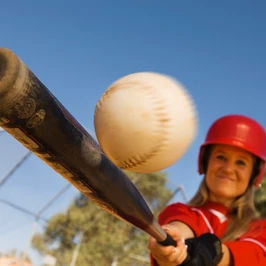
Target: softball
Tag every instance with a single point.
(145, 122)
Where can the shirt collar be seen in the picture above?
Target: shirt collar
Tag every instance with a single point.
(217, 207)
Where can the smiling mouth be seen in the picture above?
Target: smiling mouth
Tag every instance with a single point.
(226, 178)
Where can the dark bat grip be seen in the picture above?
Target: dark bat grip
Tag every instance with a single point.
(169, 241)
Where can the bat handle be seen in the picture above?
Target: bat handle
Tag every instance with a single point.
(169, 241)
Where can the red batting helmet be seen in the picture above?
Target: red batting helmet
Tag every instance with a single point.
(239, 131)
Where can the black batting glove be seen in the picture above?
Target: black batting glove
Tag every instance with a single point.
(205, 250)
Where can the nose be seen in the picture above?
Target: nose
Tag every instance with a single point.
(228, 167)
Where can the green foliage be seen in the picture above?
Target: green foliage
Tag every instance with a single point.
(105, 240)
(260, 199)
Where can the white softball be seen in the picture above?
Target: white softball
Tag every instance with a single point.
(145, 122)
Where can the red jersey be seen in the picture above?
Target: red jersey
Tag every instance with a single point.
(248, 250)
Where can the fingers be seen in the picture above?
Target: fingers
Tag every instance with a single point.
(182, 252)
(169, 255)
(173, 231)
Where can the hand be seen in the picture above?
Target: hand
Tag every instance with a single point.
(170, 255)
(205, 250)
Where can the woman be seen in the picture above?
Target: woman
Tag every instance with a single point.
(219, 225)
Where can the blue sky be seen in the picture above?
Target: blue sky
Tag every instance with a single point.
(77, 49)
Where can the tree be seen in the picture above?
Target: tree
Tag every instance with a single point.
(12, 253)
(260, 199)
(104, 239)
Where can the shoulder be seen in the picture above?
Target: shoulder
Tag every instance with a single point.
(257, 229)
(258, 222)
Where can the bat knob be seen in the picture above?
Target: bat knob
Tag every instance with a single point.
(169, 241)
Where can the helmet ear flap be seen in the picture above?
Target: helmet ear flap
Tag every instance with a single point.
(257, 172)
(204, 158)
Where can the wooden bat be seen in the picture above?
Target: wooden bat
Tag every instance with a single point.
(32, 114)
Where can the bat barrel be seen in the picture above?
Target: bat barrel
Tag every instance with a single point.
(12, 75)
(33, 115)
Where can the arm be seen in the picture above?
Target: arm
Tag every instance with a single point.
(227, 259)
(246, 252)
(250, 249)
(184, 229)
(203, 251)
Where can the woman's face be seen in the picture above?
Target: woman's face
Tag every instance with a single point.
(228, 173)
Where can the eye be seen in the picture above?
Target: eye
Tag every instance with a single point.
(221, 157)
(241, 162)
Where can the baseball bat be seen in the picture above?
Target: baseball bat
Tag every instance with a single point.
(33, 115)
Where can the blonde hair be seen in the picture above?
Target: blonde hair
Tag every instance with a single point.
(242, 212)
